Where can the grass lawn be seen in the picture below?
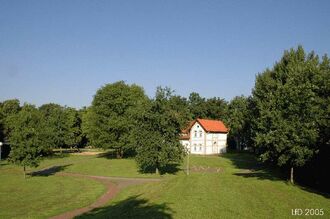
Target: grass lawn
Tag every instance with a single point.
(233, 192)
(99, 165)
(42, 196)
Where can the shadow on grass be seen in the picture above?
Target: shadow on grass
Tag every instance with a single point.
(261, 175)
(132, 207)
(49, 171)
(112, 154)
(168, 169)
(3, 164)
(324, 194)
(249, 167)
(108, 155)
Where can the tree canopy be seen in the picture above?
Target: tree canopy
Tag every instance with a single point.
(288, 109)
(26, 137)
(157, 136)
(112, 116)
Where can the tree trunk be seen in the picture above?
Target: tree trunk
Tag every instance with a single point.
(291, 175)
(24, 172)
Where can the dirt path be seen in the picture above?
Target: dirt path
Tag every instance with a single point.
(113, 186)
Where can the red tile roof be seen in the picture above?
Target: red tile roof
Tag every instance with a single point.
(212, 125)
(208, 125)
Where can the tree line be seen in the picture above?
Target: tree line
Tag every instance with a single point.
(285, 121)
(121, 118)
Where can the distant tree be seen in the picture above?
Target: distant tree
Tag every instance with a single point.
(288, 110)
(197, 106)
(180, 107)
(7, 109)
(157, 138)
(83, 126)
(216, 108)
(238, 121)
(2, 128)
(112, 116)
(25, 140)
(73, 137)
(56, 131)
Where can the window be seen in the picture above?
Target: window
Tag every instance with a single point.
(194, 147)
(195, 133)
(200, 134)
(200, 147)
(215, 143)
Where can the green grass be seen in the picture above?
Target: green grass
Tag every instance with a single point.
(43, 196)
(96, 165)
(235, 192)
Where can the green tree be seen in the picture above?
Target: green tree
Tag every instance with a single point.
(56, 130)
(7, 109)
(25, 140)
(180, 106)
(216, 108)
(74, 136)
(287, 110)
(112, 116)
(239, 120)
(197, 106)
(157, 136)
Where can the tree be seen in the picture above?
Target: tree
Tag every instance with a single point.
(212, 108)
(287, 110)
(238, 121)
(180, 106)
(197, 106)
(25, 140)
(7, 109)
(216, 108)
(56, 131)
(74, 136)
(112, 116)
(157, 136)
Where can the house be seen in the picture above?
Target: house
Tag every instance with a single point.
(204, 136)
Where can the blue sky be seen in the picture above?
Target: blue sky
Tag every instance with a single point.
(63, 51)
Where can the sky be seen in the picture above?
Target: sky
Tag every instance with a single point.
(64, 51)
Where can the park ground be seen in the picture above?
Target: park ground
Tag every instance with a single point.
(232, 185)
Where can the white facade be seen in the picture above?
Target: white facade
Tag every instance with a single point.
(202, 142)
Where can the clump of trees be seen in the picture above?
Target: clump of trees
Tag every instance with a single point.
(285, 121)
(34, 132)
(291, 120)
